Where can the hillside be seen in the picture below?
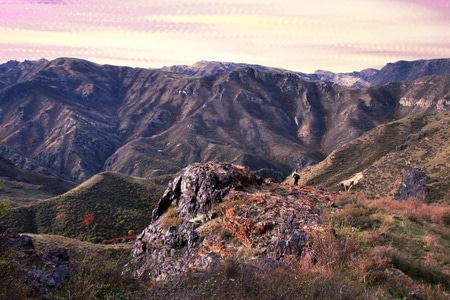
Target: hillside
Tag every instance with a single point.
(386, 152)
(219, 231)
(21, 187)
(106, 208)
(70, 118)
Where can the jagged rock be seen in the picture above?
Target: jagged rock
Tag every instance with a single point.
(214, 211)
(199, 187)
(40, 271)
(413, 185)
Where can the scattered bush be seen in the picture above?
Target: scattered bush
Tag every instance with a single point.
(99, 277)
(10, 285)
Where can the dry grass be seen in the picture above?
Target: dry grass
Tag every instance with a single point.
(341, 269)
(380, 249)
(170, 218)
(381, 261)
(431, 240)
(400, 246)
(331, 250)
(412, 209)
(424, 142)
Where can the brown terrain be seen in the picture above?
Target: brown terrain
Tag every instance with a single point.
(70, 118)
(187, 168)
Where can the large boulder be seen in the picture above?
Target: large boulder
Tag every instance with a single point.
(215, 211)
(413, 185)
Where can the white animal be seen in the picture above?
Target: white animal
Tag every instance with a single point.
(347, 184)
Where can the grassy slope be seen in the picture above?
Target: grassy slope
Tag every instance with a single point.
(381, 249)
(385, 152)
(105, 208)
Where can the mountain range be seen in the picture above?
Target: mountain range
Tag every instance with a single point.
(70, 118)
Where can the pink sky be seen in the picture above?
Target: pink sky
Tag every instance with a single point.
(299, 35)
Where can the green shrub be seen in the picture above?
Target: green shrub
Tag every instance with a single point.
(10, 285)
(3, 208)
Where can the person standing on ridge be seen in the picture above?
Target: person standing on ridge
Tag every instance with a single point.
(296, 177)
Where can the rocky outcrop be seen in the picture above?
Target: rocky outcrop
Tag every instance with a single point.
(413, 185)
(39, 271)
(214, 211)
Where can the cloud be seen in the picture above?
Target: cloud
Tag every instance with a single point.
(64, 2)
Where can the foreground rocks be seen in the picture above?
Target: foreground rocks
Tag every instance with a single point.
(24, 266)
(216, 211)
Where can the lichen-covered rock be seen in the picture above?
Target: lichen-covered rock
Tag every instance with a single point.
(413, 185)
(39, 271)
(214, 211)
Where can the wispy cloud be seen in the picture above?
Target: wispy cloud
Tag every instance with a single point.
(46, 1)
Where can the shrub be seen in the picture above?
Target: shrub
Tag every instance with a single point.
(99, 277)
(330, 250)
(10, 286)
(3, 208)
(170, 218)
(88, 219)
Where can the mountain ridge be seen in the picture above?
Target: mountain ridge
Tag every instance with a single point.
(72, 118)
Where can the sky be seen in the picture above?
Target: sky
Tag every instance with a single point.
(297, 35)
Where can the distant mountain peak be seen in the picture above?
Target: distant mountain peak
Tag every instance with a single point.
(410, 70)
(204, 68)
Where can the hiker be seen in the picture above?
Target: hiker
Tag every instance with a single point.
(296, 177)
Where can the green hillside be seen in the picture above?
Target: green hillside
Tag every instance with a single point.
(105, 208)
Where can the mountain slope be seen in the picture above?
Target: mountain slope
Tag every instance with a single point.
(384, 153)
(410, 71)
(71, 118)
(22, 187)
(218, 231)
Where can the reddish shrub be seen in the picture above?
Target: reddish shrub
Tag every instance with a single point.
(87, 219)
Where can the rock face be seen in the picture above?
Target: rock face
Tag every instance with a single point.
(40, 272)
(413, 185)
(214, 211)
